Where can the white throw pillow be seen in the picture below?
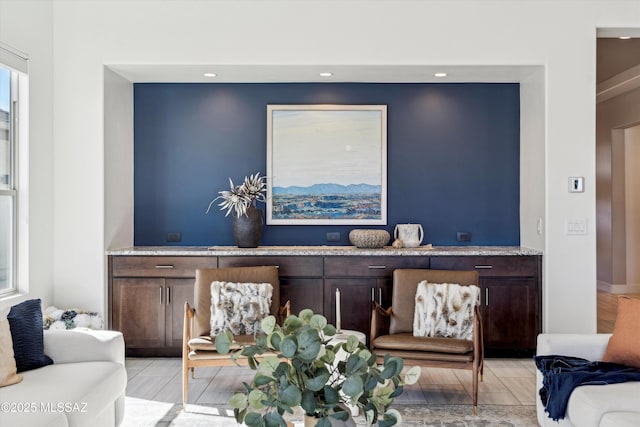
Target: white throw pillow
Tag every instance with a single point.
(239, 307)
(445, 310)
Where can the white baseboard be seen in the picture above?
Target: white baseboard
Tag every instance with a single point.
(629, 288)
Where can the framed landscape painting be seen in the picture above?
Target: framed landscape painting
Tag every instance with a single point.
(326, 164)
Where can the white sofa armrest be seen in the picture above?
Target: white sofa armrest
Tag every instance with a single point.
(84, 345)
(586, 346)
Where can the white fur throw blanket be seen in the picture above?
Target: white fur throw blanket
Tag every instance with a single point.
(239, 307)
(445, 310)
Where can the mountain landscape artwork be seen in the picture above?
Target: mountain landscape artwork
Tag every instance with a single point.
(326, 164)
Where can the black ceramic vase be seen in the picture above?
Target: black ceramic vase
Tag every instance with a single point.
(247, 229)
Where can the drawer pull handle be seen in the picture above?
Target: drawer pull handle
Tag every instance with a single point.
(165, 266)
(483, 267)
(168, 296)
(486, 297)
(380, 296)
(373, 294)
(377, 267)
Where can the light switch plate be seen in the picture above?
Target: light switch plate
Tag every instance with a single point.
(576, 227)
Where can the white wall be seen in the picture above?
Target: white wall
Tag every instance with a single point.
(532, 160)
(118, 164)
(28, 26)
(118, 160)
(559, 36)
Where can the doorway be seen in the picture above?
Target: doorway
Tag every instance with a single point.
(617, 172)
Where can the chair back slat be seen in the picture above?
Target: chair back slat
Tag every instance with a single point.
(405, 284)
(202, 289)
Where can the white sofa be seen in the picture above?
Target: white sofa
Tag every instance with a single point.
(84, 387)
(611, 405)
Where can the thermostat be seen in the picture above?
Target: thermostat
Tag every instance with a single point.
(576, 184)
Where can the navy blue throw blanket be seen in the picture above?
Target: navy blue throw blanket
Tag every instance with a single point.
(561, 374)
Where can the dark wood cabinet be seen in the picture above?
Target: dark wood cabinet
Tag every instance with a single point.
(147, 296)
(139, 311)
(510, 314)
(356, 295)
(370, 266)
(149, 311)
(300, 278)
(147, 293)
(302, 293)
(361, 280)
(177, 292)
(510, 289)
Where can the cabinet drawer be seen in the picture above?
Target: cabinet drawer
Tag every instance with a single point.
(370, 266)
(292, 266)
(489, 266)
(160, 266)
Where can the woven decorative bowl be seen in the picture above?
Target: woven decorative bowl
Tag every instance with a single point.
(369, 239)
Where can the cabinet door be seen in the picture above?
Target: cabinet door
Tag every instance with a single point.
(302, 293)
(355, 301)
(509, 313)
(510, 303)
(139, 311)
(177, 292)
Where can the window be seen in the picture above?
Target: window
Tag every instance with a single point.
(7, 184)
(12, 79)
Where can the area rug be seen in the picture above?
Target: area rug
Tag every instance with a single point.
(141, 413)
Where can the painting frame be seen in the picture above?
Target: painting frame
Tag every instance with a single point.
(326, 164)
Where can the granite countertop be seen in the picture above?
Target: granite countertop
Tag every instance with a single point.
(427, 250)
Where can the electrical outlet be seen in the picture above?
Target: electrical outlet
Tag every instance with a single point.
(463, 236)
(333, 236)
(174, 237)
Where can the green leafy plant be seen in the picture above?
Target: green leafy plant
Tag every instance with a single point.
(303, 368)
(239, 197)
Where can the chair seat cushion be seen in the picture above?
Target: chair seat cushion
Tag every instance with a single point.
(407, 342)
(430, 358)
(207, 343)
(204, 347)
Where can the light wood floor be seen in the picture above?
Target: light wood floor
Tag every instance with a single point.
(506, 382)
(157, 381)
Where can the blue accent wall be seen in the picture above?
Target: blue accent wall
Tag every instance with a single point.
(453, 153)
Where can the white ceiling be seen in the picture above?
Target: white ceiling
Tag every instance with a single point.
(372, 73)
(194, 73)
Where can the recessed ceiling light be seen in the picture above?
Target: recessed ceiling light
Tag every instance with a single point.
(210, 74)
(624, 37)
(440, 74)
(326, 74)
